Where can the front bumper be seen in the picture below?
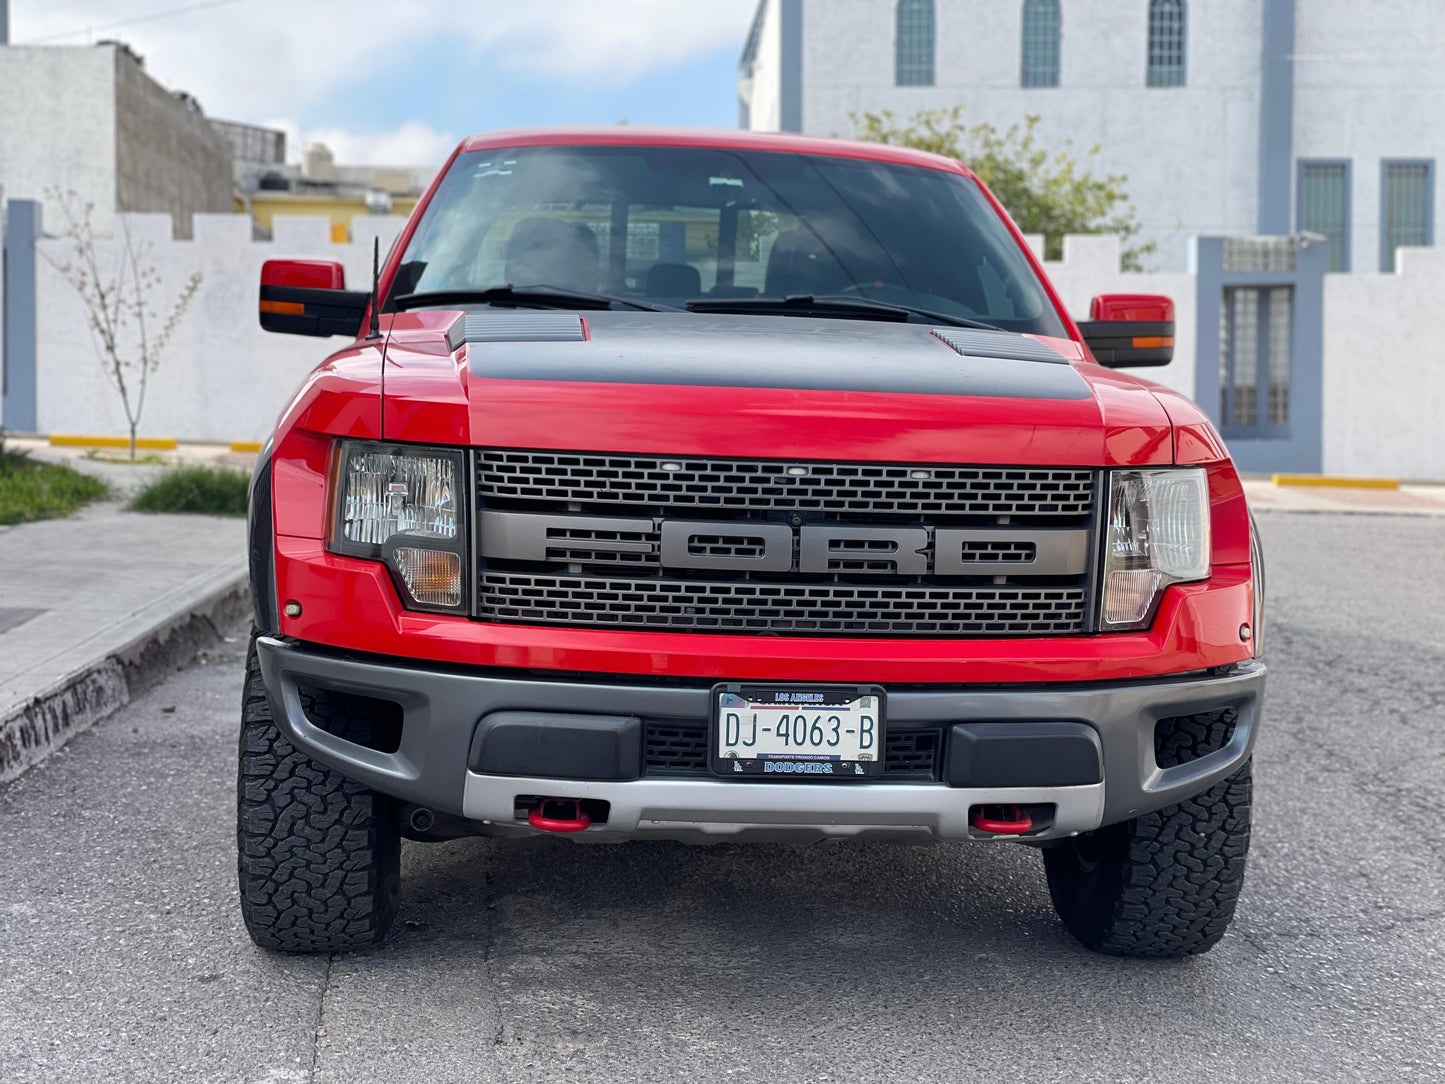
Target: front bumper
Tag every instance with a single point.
(443, 706)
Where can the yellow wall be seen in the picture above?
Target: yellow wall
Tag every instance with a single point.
(267, 205)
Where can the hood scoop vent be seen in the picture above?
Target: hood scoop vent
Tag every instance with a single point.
(972, 343)
(516, 327)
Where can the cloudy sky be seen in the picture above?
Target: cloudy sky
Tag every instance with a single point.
(400, 81)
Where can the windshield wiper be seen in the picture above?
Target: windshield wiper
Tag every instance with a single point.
(825, 305)
(539, 296)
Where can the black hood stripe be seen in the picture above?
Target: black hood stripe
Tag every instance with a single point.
(777, 352)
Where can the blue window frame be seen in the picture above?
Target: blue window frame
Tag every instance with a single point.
(1040, 67)
(1168, 23)
(915, 43)
(1322, 205)
(1407, 206)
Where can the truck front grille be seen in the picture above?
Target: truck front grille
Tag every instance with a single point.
(782, 547)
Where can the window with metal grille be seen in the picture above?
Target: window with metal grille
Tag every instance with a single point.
(1256, 336)
(1324, 207)
(915, 43)
(1406, 207)
(1040, 44)
(1167, 23)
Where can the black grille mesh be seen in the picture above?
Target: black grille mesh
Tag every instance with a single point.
(674, 748)
(652, 481)
(911, 753)
(678, 747)
(755, 606)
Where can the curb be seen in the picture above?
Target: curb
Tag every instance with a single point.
(1338, 481)
(77, 702)
(77, 440)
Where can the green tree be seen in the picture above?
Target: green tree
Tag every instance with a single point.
(1052, 193)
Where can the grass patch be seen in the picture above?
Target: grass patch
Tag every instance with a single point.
(210, 491)
(31, 490)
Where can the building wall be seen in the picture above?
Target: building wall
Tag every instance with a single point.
(1370, 84)
(221, 377)
(1190, 153)
(168, 158)
(1367, 85)
(766, 93)
(1384, 372)
(58, 127)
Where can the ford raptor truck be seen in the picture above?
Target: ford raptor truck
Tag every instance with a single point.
(729, 486)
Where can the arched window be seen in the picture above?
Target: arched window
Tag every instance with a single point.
(1040, 44)
(1167, 23)
(915, 43)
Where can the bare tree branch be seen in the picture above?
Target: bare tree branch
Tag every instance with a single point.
(118, 304)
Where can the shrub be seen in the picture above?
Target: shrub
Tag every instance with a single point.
(211, 491)
(31, 490)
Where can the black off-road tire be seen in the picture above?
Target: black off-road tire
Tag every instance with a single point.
(319, 856)
(1161, 885)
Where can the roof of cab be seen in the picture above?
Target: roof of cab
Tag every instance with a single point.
(628, 135)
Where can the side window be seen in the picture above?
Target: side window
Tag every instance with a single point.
(1323, 206)
(914, 43)
(1168, 22)
(1040, 65)
(672, 252)
(758, 233)
(1407, 205)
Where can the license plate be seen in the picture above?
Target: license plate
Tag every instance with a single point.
(810, 733)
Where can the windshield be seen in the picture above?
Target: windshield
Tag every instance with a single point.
(668, 225)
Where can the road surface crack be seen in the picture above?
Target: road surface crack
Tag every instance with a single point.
(318, 1031)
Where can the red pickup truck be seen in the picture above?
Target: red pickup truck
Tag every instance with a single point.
(726, 486)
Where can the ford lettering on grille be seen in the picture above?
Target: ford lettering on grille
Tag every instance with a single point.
(782, 548)
(739, 546)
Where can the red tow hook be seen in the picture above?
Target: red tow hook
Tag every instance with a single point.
(1006, 820)
(559, 815)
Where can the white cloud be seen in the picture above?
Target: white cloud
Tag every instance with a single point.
(415, 143)
(262, 58)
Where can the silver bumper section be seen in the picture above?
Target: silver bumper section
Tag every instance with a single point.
(443, 706)
(710, 810)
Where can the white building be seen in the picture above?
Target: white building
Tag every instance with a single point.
(88, 120)
(1229, 117)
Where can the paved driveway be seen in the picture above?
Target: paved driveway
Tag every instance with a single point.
(124, 958)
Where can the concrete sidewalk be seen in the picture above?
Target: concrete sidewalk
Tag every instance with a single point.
(98, 606)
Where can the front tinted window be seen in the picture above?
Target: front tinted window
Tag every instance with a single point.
(672, 224)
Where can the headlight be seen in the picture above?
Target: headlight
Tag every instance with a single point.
(1158, 534)
(402, 504)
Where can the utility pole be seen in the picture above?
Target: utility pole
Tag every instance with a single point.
(4, 22)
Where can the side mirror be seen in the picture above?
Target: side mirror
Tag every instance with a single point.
(1124, 330)
(309, 297)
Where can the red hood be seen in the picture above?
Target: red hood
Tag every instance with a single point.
(762, 387)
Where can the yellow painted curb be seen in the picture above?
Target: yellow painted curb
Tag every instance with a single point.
(245, 445)
(1336, 480)
(73, 440)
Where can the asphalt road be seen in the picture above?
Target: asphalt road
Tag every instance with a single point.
(122, 956)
